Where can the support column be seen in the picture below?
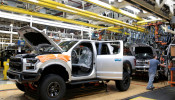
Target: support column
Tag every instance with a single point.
(81, 32)
(31, 21)
(11, 35)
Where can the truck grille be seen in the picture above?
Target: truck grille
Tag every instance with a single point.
(15, 64)
(140, 63)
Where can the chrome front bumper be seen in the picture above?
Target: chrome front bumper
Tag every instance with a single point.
(142, 68)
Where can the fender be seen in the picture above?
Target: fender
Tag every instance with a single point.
(126, 61)
(57, 62)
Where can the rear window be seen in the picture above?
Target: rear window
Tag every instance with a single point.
(127, 51)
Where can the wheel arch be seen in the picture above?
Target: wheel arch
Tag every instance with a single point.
(58, 67)
(125, 67)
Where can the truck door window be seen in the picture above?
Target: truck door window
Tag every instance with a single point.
(115, 47)
(103, 49)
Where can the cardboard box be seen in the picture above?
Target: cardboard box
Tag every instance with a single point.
(172, 50)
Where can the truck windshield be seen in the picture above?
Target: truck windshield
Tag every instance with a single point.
(66, 45)
(144, 56)
(46, 48)
(143, 52)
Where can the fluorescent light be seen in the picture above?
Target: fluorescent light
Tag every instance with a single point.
(33, 1)
(101, 3)
(8, 32)
(152, 17)
(120, 0)
(66, 9)
(111, 0)
(41, 21)
(7, 43)
(128, 13)
(144, 12)
(133, 9)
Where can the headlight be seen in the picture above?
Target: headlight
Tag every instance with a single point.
(30, 67)
(33, 61)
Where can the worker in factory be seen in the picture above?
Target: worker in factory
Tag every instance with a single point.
(154, 63)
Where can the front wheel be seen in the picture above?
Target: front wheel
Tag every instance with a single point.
(20, 87)
(52, 87)
(124, 84)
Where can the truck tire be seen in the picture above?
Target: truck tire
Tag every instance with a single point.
(20, 87)
(124, 84)
(52, 87)
(157, 77)
(127, 67)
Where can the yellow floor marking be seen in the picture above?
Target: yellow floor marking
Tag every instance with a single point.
(142, 98)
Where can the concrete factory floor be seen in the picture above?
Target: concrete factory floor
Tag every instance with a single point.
(137, 91)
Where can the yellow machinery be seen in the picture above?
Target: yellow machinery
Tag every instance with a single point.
(6, 67)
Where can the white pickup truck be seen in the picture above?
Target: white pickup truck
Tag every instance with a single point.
(143, 54)
(70, 62)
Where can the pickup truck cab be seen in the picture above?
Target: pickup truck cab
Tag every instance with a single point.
(52, 66)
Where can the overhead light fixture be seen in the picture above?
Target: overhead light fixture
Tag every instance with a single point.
(36, 1)
(66, 9)
(101, 3)
(8, 32)
(144, 12)
(135, 10)
(128, 13)
(152, 17)
(111, 0)
(120, 0)
(41, 21)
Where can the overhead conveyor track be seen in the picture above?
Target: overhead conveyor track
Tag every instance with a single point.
(23, 11)
(148, 21)
(66, 8)
(149, 8)
(112, 8)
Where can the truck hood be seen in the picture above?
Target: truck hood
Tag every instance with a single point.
(142, 51)
(35, 37)
(142, 48)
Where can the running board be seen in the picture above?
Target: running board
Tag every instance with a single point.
(84, 81)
